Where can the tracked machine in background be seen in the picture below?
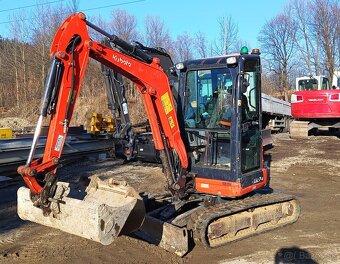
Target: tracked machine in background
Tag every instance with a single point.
(207, 133)
(314, 106)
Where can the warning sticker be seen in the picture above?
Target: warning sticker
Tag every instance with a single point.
(166, 102)
(171, 121)
(59, 142)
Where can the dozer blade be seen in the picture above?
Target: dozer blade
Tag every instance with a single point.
(165, 235)
(106, 209)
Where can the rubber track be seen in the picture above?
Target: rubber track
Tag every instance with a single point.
(201, 219)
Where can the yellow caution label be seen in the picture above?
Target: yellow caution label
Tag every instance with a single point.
(171, 122)
(6, 133)
(166, 102)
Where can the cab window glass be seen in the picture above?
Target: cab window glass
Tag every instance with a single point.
(325, 84)
(250, 116)
(308, 84)
(209, 98)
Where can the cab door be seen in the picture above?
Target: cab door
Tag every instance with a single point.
(250, 102)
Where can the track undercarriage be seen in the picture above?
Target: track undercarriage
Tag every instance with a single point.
(173, 226)
(222, 223)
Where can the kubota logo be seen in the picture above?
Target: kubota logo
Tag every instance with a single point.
(122, 61)
(315, 100)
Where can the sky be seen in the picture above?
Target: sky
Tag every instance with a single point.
(179, 16)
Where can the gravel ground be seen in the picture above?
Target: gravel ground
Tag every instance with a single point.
(14, 123)
(308, 169)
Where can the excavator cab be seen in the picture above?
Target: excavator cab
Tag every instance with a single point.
(221, 109)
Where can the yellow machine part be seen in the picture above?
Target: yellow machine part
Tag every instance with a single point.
(99, 124)
(6, 133)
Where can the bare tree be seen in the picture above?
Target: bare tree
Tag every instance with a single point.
(239, 44)
(324, 26)
(124, 25)
(19, 33)
(228, 35)
(337, 19)
(277, 40)
(46, 22)
(316, 36)
(72, 6)
(156, 33)
(269, 81)
(200, 43)
(27, 55)
(303, 39)
(102, 23)
(184, 47)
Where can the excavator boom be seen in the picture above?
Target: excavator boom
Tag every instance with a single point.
(70, 52)
(51, 202)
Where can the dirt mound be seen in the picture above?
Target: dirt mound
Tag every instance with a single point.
(14, 123)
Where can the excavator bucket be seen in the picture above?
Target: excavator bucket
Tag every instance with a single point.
(106, 209)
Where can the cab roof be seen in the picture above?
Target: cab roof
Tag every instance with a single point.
(214, 61)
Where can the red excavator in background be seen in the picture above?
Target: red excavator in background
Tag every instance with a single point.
(314, 106)
(207, 132)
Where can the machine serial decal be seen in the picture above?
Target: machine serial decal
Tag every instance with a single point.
(59, 142)
(258, 179)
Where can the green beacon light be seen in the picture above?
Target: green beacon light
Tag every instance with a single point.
(244, 50)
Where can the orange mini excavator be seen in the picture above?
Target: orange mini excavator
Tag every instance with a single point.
(206, 129)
